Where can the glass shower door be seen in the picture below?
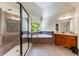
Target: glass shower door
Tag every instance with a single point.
(25, 32)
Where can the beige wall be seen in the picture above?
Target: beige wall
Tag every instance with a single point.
(48, 23)
(76, 22)
(70, 13)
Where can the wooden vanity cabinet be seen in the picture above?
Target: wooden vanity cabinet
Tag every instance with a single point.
(68, 41)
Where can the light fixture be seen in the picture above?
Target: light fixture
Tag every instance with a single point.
(65, 17)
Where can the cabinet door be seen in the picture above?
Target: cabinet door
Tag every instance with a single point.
(71, 41)
(58, 39)
(64, 40)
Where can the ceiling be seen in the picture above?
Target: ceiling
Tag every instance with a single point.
(43, 5)
(45, 9)
(56, 8)
(32, 9)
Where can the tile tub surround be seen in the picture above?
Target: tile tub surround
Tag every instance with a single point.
(9, 41)
(42, 40)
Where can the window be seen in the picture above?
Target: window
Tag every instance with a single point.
(35, 27)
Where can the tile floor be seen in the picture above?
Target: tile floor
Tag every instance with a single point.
(16, 50)
(49, 50)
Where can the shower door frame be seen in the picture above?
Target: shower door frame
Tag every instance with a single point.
(21, 44)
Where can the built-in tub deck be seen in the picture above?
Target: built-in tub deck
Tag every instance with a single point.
(40, 37)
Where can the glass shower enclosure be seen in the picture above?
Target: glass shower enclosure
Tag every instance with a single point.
(15, 29)
(25, 31)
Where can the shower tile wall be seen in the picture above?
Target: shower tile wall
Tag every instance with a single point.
(9, 28)
(11, 38)
(10, 42)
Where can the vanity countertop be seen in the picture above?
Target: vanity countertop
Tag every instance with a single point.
(66, 33)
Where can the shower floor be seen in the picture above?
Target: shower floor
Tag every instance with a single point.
(16, 50)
